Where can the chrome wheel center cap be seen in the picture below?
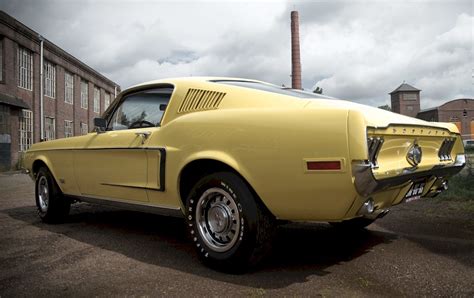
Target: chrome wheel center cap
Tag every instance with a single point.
(218, 219)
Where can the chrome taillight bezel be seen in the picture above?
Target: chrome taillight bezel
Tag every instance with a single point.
(374, 144)
(444, 152)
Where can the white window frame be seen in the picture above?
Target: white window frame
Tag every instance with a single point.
(68, 128)
(68, 88)
(25, 68)
(84, 128)
(96, 100)
(106, 100)
(49, 128)
(1, 58)
(84, 94)
(25, 130)
(49, 74)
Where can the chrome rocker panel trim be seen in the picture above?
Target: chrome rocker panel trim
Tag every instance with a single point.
(146, 208)
(366, 184)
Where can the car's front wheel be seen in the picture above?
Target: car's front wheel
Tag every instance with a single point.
(230, 228)
(51, 204)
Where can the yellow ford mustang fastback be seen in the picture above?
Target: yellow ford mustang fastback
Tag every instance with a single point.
(234, 156)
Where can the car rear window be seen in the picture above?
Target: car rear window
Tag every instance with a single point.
(273, 89)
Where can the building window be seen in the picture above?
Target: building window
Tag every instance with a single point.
(25, 68)
(4, 119)
(84, 95)
(84, 128)
(49, 79)
(68, 88)
(68, 129)
(49, 128)
(26, 129)
(410, 96)
(1, 60)
(96, 100)
(409, 108)
(106, 100)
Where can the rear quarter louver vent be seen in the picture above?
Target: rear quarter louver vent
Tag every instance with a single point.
(200, 100)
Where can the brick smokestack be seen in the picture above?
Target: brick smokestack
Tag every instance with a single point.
(295, 51)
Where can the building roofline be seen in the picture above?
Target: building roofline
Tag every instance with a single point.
(428, 110)
(18, 26)
(455, 100)
(436, 108)
(404, 87)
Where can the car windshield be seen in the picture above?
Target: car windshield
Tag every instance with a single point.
(273, 89)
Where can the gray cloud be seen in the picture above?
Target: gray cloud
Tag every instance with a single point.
(358, 50)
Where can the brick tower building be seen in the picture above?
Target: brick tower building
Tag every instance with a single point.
(406, 100)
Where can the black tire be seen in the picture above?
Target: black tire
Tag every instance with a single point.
(52, 206)
(354, 224)
(252, 224)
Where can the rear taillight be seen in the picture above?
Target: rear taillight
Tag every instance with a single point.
(374, 144)
(444, 152)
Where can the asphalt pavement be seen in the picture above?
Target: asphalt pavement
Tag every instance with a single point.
(423, 248)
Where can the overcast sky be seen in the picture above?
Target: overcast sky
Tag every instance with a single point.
(357, 50)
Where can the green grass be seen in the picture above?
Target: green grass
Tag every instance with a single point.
(469, 150)
(461, 188)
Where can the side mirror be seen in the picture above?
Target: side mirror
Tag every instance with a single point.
(163, 107)
(100, 125)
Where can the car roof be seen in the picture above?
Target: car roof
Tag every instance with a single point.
(195, 79)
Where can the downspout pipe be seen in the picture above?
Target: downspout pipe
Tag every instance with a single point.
(41, 90)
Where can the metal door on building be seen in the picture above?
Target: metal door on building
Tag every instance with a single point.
(5, 138)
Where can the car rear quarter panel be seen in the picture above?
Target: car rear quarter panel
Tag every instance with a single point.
(269, 148)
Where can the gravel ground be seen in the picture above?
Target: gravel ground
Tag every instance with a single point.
(424, 248)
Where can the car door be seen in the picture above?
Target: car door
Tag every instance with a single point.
(114, 164)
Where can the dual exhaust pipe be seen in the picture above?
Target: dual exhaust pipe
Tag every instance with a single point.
(369, 210)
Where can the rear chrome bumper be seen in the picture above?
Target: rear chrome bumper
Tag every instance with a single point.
(366, 184)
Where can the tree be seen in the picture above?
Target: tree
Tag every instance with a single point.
(318, 90)
(385, 107)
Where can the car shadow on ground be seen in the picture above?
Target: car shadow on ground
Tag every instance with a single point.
(300, 250)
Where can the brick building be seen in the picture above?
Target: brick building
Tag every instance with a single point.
(73, 93)
(405, 100)
(458, 111)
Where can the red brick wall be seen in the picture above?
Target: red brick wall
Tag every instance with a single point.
(400, 105)
(453, 111)
(57, 107)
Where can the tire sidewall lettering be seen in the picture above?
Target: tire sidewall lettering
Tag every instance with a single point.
(203, 250)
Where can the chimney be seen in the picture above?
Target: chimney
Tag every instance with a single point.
(295, 51)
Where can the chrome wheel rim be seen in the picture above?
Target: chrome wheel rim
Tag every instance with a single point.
(43, 193)
(218, 219)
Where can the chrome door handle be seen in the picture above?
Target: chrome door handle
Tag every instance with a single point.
(144, 135)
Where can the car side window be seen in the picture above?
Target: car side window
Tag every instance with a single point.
(141, 109)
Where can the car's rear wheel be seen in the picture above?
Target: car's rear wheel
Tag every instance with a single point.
(358, 223)
(51, 204)
(230, 228)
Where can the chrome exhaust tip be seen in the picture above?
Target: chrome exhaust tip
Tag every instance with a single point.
(444, 185)
(367, 208)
